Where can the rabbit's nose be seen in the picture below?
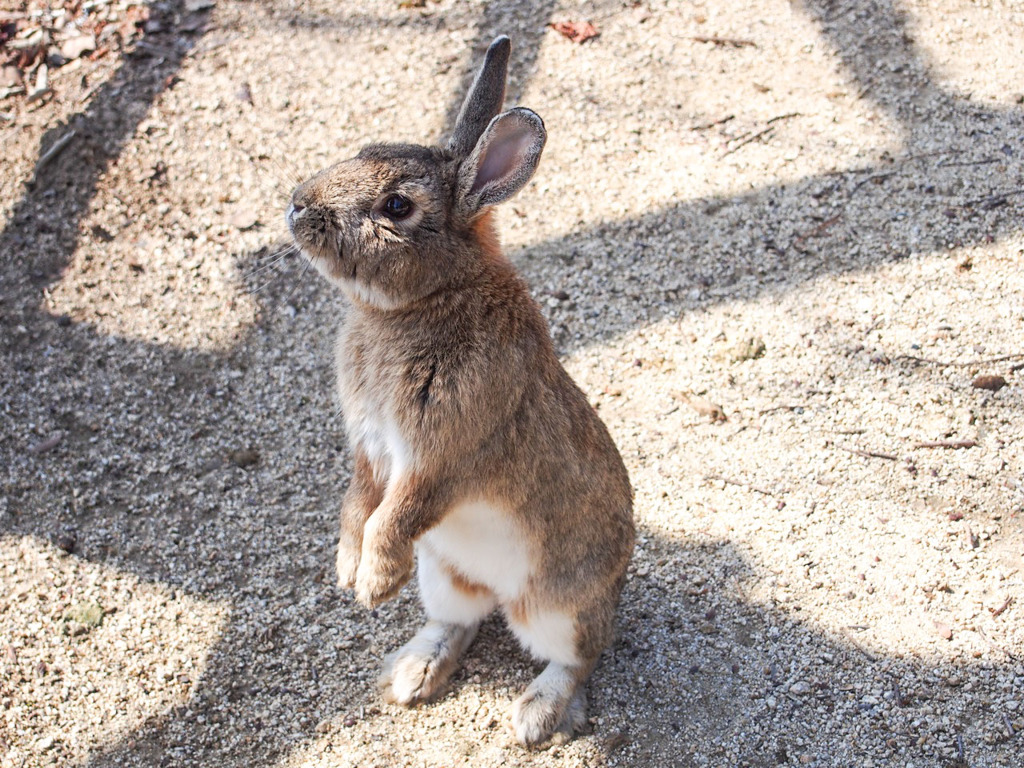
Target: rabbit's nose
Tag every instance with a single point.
(293, 213)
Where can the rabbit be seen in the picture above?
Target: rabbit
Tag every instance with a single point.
(478, 462)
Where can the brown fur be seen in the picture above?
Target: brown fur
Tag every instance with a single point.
(444, 344)
(464, 585)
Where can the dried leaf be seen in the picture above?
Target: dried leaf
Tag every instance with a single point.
(576, 31)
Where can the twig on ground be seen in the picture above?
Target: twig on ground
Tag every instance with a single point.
(998, 611)
(770, 127)
(869, 454)
(966, 363)
(58, 146)
(986, 161)
(739, 483)
(993, 200)
(876, 177)
(954, 444)
(996, 646)
(799, 241)
(731, 42)
(867, 654)
(706, 126)
(781, 408)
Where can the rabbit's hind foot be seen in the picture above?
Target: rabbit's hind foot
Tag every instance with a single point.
(419, 669)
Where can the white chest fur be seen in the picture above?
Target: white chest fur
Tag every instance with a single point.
(377, 435)
(481, 542)
(369, 422)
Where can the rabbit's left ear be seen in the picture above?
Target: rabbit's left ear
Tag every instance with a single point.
(484, 99)
(503, 160)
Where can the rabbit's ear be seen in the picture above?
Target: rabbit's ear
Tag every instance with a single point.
(503, 160)
(484, 100)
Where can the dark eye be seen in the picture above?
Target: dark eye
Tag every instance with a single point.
(397, 207)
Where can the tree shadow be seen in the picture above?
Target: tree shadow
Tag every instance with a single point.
(261, 535)
(954, 182)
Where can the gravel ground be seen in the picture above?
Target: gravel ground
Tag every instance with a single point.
(779, 245)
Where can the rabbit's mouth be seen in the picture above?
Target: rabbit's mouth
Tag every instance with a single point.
(314, 241)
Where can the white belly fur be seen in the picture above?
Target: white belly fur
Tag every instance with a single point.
(479, 541)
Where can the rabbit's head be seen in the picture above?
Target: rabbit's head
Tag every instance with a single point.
(399, 222)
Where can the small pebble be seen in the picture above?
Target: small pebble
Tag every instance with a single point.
(244, 458)
(992, 383)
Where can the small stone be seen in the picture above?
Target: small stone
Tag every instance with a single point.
(991, 383)
(244, 458)
(48, 444)
(67, 540)
(245, 219)
(244, 93)
(74, 47)
(800, 688)
(87, 615)
(615, 740)
(10, 76)
(749, 349)
(101, 233)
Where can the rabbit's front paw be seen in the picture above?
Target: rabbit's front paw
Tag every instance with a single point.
(347, 564)
(379, 577)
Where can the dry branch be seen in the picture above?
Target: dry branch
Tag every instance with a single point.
(954, 444)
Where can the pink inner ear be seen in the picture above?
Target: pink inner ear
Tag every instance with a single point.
(504, 154)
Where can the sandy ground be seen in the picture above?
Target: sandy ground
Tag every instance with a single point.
(777, 245)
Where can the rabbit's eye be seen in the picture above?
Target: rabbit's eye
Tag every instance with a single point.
(397, 207)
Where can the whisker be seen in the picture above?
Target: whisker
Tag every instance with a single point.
(265, 284)
(297, 283)
(275, 258)
(272, 168)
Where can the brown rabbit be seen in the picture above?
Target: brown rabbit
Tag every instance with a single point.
(473, 447)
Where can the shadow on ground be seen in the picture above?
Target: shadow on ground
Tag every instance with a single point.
(261, 536)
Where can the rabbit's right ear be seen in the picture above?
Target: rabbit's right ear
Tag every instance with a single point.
(484, 100)
(502, 161)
